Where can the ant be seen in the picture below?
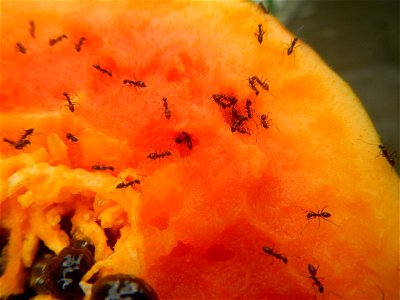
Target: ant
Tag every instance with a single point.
(52, 42)
(21, 144)
(71, 105)
(71, 137)
(313, 272)
(138, 83)
(167, 112)
(389, 157)
(263, 8)
(184, 137)
(320, 214)
(271, 252)
(292, 46)
(78, 45)
(27, 133)
(23, 141)
(21, 48)
(96, 66)
(32, 28)
(262, 83)
(224, 100)
(124, 185)
(249, 110)
(102, 167)
(155, 155)
(265, 122)
(260, 33)
(238, 122)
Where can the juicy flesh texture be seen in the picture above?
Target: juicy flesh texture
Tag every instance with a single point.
(196, 226)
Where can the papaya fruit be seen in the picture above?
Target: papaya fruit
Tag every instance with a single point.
(198, 148)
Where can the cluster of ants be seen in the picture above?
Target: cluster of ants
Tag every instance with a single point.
(239, 121)
(320, 214)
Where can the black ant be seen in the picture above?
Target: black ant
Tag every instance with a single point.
(263, 8)
(138, 83)
(320, 214)
(155, 155)
(32, 28)
(265, 122)
(260, 33)
(184, 137)
(124, 185)
(96, 66)
(102, 168)
(389, 157)
(23, 141)
(21, 48)
(313, 272)
(21, 144)
(71, 137)
(254, 80)
(52, 42)
(27, 133)
(292, 46)
(271, 252)
(238, 122)
(167, 111)
(78, 45)
(224, 100)
(249, 110)
(71, 105)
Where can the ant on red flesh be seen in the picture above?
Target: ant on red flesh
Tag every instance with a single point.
(254, 80)
(52, 42)
(78, 45)
(124, 184)
(292, 45)
(167, 111)
(23, 141)
(249, 110)
(270, 251)
(102, 168)
(32, 28)
(71, 105)
(260, 33)
(265, 122)
(238, 122)
(138, 83)
(105, 71)
(19, 145)
(224, 100)
(21, 48)
(71, 137)
(184, 137)
(155, 155)
(313, 272)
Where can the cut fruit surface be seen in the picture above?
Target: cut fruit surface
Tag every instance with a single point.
(278, 153)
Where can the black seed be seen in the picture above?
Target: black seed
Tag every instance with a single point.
(64, 272)
(121, 286)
